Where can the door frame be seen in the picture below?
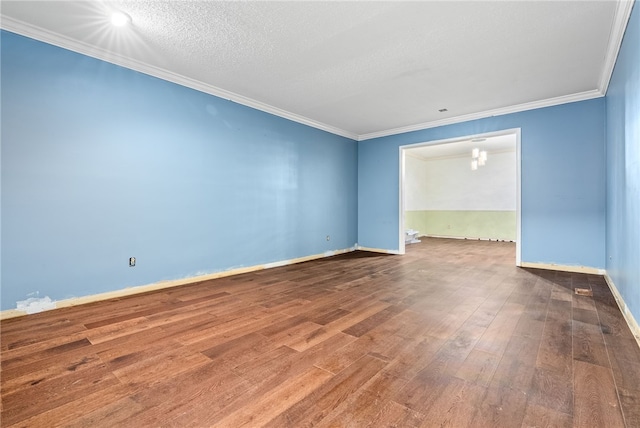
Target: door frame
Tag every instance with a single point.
(402, 154)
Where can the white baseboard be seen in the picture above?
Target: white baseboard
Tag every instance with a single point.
(563, 268)
(628, 316)
(465, 238)
(75, 301)
(626, 313)
(12, 313)
(377, 250)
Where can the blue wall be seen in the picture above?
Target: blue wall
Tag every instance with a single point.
(623, 168)
(101, 163)
(563, 182)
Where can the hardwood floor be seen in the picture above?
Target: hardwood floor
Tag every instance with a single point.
(451, 334)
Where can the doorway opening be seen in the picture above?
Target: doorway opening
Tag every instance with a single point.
(485, 190)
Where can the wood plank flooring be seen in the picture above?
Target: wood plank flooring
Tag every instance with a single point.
(451, 334)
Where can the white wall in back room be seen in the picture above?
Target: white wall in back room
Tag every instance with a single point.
(450, 184)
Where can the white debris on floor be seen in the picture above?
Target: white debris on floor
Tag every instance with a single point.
(411, 236)
(34, 305)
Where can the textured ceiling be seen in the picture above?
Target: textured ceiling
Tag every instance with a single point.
(359, 69)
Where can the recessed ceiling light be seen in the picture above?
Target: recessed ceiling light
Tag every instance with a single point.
(442, 110)
(120, 19)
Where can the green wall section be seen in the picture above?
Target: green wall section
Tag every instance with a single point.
(467, 224)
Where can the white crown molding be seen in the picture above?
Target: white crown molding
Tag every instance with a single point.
(581, 96)
(37, 33)
(620, 20)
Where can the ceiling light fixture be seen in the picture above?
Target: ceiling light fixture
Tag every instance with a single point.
(478, 158)
(120, 19)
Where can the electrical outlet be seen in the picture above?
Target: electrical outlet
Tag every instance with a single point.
(132, 261)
